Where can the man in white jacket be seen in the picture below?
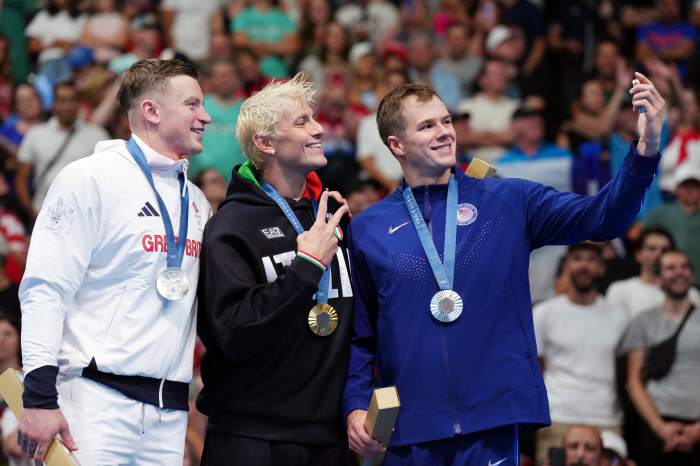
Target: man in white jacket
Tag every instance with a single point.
(108, 296)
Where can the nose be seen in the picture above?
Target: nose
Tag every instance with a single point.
(317, 129)
(443, 131)
(204, 116)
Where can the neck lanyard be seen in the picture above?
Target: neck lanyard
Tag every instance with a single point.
(176, 251)
(322, 294)
(444, 273)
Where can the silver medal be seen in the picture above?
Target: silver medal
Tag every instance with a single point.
(172, 283)
(446, 306)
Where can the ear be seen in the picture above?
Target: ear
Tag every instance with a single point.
(601, 270)
(637, 254)
(150, 111)
(396, 146)
(264, 144)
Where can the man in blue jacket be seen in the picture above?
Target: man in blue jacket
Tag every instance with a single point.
(444, 305)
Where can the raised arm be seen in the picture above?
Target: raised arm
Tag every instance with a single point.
(245, 316)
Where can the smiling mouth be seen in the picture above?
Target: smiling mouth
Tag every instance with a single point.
(198, 131)
(442, 147)
(315, 145)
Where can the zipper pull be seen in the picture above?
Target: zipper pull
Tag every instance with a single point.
(185, 166)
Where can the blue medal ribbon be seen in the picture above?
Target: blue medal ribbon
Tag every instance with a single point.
(176, 252)
(322, 294)
(444, 274)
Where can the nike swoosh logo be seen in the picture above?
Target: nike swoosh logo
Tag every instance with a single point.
(393, 230)
(496, 464)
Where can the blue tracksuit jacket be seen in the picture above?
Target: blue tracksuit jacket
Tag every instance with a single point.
(480, 371)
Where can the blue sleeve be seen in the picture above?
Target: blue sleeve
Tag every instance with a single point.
(566, 218)
(689, 31)
(642, 33)
(363, 349)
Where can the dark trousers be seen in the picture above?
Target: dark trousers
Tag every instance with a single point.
(221, 448)
(651, 449)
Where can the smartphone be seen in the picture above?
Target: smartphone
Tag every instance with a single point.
(557, 457)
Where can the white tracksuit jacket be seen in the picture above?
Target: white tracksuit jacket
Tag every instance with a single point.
(89, 290)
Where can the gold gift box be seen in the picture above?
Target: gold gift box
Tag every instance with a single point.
(381, 416)
(479, 169)
(11, 389)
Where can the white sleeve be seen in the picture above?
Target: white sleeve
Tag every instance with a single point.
(539, 317)
(8, 423)
(65, 235)
(37, 26)
(366, 139)
(615, 297)
(25, 152)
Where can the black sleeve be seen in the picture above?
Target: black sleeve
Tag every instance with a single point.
(245, 316)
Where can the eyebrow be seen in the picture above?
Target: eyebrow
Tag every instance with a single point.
(304, 116)
(428, 120)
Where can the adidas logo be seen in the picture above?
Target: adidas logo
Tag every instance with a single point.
(148, 211)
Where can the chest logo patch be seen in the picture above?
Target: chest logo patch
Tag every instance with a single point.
(272, 233)
(197, 215)
(59, 218)
(466, 214)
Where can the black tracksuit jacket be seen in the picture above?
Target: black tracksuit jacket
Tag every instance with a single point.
(266, 374)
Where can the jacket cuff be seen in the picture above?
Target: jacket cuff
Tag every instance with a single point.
(640, 165)
(354, 402)
(307, 269)
(312, 259)
(40, 388)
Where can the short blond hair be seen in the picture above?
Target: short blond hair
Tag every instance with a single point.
(260, 114)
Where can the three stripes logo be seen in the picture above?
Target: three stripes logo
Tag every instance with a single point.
(148, 211)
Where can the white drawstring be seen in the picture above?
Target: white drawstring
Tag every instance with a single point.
(186, 166)
(143, 418)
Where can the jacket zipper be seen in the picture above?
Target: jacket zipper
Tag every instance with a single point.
(453, 401)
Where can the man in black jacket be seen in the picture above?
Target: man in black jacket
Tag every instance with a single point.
(276, 325)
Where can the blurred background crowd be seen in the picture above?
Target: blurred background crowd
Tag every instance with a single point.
(537, 88)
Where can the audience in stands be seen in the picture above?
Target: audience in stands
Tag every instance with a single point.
(578, 333)
(564, 62)
(665, 393)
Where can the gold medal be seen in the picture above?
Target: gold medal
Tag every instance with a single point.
(323, 320)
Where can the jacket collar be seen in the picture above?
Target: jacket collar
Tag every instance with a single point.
(313, 182)
(159, 163)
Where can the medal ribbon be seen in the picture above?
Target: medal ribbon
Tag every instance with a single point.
(175, 252)
(322, 294)
(444, 274)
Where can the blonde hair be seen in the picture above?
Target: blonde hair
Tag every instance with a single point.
(260, 114)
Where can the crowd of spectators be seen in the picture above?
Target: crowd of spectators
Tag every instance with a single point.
(537, 88)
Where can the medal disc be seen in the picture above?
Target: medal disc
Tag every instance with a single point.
(323, 319)
(446, 306)
(172, 283)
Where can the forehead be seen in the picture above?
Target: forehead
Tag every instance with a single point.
(592, 86)
(66, 92)
(582, 435)
(671, 259)
(654, 239)
(293, 109)
(587, 254)
(414, 111)
(184, 87)
(223, 67)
